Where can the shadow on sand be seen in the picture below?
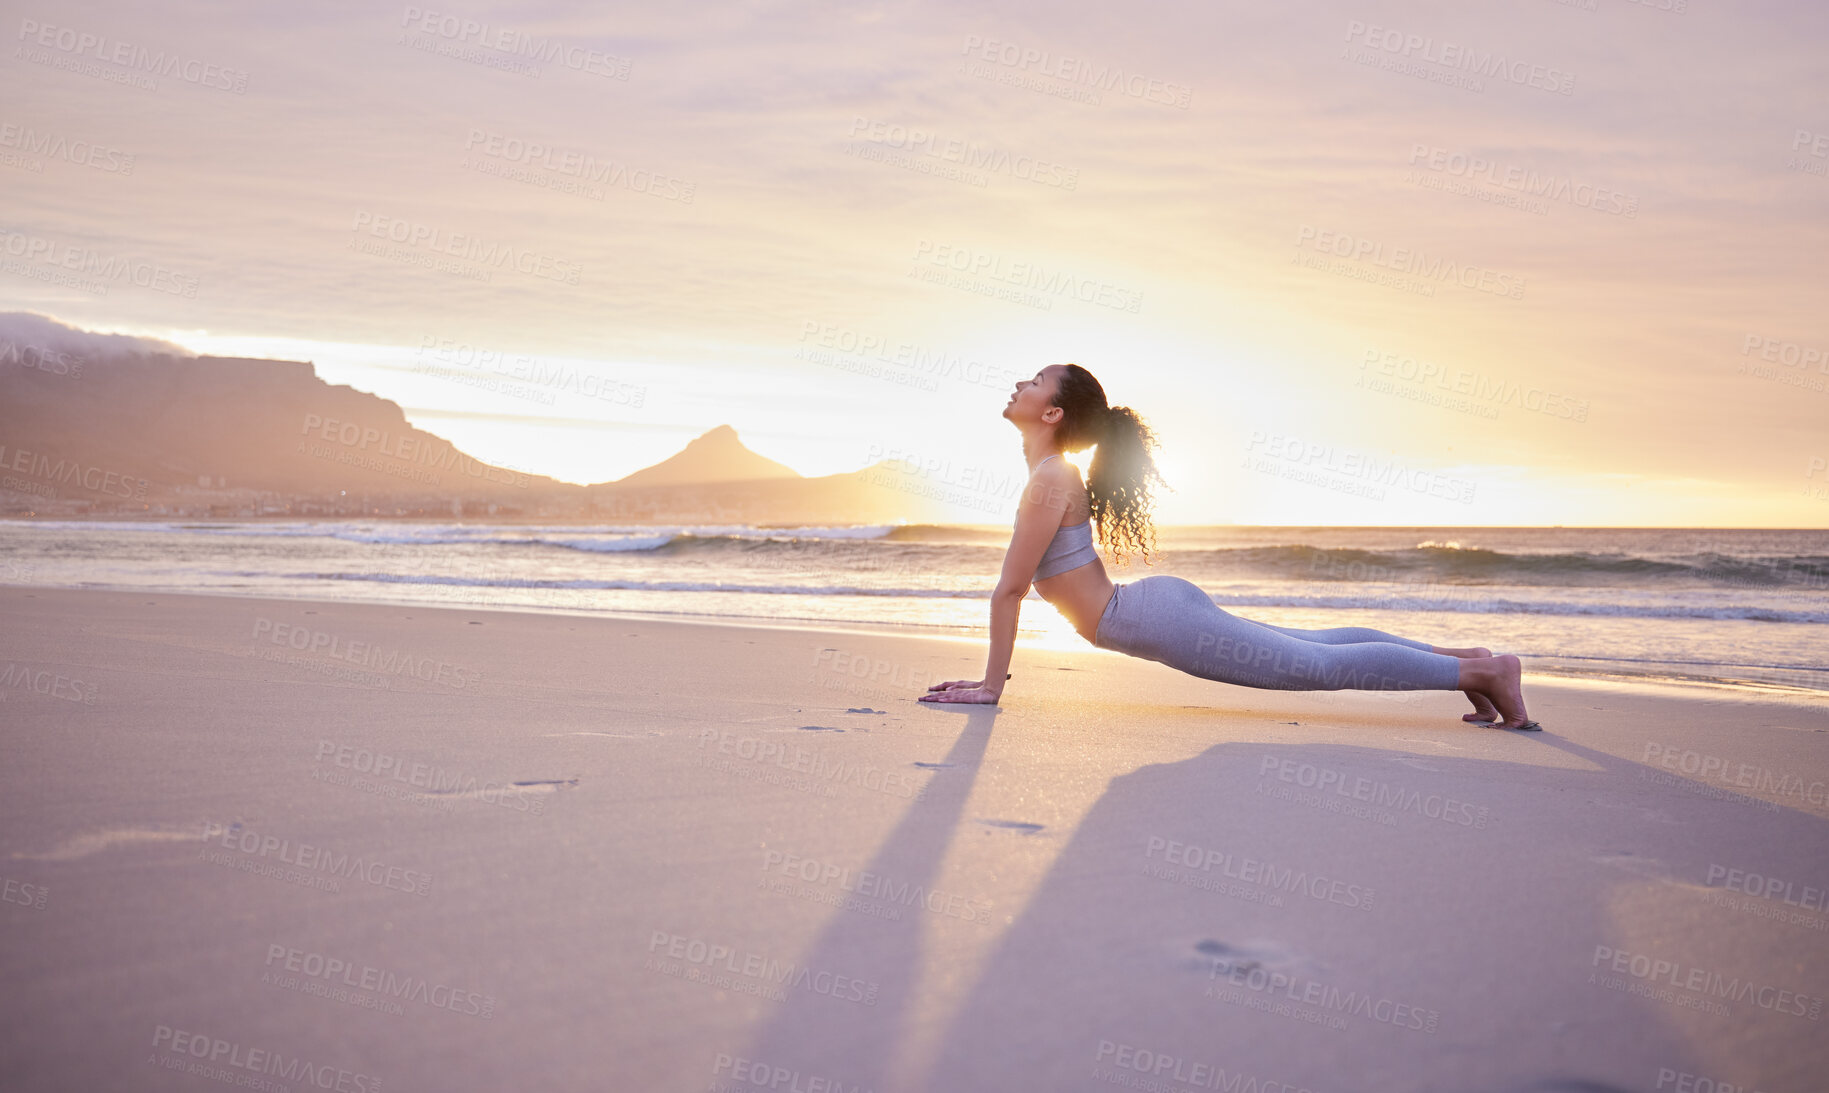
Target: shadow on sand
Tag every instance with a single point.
(1422, 923)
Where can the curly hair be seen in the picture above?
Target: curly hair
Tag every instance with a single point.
(1118, 482)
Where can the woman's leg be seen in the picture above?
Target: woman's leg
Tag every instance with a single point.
(1347, 635)
(1343, 635)
(1170, 620)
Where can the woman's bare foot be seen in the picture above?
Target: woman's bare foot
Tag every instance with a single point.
(1500, 681)
(1483, 711)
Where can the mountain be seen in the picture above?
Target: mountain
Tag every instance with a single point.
(108, 424)
(717, 456)
(92, 423)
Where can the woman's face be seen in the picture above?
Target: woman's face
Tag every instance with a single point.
(1035, 397)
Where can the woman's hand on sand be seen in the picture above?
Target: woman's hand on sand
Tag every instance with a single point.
(957, 684)
(960, 690)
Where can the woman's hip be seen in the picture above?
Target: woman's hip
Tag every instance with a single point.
(1138, 610)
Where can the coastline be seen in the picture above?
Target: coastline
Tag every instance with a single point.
(1054, 639)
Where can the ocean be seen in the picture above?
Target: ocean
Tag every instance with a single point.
(1736, 608)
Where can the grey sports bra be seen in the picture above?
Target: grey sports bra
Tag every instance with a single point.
(1070, 548)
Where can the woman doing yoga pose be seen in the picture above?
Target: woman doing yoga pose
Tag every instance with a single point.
(1162, 617)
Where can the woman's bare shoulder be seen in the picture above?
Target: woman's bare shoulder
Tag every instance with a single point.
(1062, 479)
(1056, 469)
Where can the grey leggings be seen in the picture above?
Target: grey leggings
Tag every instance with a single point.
(1171, 621)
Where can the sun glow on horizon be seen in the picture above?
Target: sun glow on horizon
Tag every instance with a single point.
(1296, 274)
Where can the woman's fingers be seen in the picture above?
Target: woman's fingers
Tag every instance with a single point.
(953, 684)
(974, 694)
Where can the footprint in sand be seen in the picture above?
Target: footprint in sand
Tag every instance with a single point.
(1018, 826)
(532, 785)
(611, 735)
(1243, 959)
(94, 842)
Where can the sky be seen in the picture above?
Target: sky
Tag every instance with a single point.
(1395, 263)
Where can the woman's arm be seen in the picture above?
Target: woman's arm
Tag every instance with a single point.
(1006, 607)
(1038, 517)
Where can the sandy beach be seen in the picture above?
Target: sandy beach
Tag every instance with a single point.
(302, 845)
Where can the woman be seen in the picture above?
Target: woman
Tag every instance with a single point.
(1162, 617)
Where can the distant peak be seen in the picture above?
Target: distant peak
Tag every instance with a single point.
(716, 455)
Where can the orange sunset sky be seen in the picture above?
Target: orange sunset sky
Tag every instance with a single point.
(1528, 262)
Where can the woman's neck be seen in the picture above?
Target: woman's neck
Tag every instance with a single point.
(1036, 457)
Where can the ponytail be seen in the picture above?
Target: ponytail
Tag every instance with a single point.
(1119, 480)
